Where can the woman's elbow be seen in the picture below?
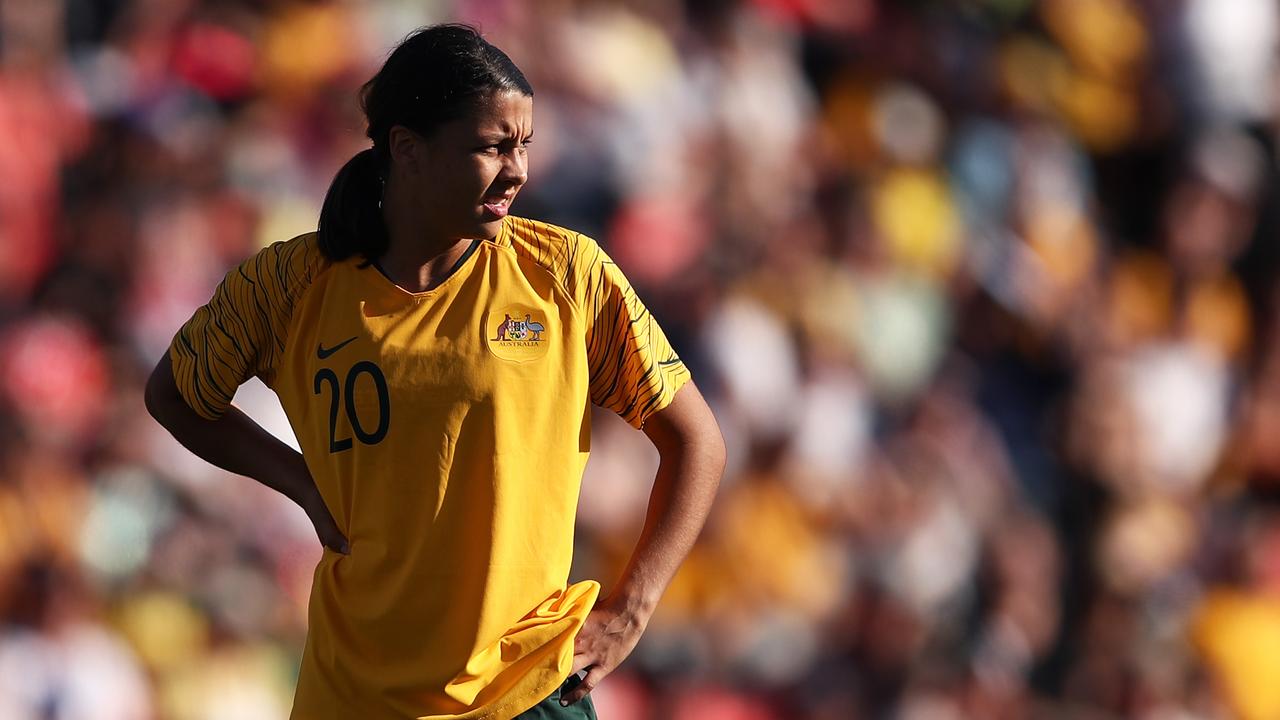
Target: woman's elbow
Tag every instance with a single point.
(687, 425)
(717, 452)
(161, 391)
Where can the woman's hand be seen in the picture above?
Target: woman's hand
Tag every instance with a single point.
(607, 637)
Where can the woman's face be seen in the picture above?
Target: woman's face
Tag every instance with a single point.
(464, 175)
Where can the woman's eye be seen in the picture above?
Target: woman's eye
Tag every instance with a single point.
(503, 147)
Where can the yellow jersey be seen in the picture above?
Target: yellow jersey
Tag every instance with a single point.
(447, 431)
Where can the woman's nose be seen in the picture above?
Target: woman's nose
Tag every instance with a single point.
(516, 168)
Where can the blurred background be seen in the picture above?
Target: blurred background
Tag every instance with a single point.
(982, 291)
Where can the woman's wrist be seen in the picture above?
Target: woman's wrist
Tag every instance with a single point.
(634, 601)
(280, 467)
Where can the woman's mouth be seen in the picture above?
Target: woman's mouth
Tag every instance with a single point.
(498, 206)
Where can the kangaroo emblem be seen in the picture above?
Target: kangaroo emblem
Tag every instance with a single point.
(518, 333)
(504, 328)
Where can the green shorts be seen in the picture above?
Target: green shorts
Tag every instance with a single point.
(550, 708)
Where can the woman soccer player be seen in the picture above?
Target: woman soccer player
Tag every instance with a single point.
(437, 358)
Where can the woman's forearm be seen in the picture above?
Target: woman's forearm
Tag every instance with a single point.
(692, 460)
(233, 442)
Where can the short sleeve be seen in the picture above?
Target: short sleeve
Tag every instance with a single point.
(633, 370)
(240, 333)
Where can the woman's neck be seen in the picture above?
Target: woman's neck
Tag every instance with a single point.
(419, 266)
(415, 260)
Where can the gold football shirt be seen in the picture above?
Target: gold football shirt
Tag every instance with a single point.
(447, 431)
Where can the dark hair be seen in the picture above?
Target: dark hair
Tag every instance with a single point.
(430, 78)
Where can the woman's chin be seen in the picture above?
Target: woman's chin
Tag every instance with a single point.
(489, 226)
(475, 229)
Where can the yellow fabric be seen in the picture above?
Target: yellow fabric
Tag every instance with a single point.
(1238, 634)
(447, 431)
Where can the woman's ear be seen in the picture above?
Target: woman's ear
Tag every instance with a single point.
(405, 148)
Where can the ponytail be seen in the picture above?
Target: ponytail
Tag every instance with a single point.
(351, 218)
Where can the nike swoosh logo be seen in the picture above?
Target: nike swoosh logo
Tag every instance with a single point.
(322, 353)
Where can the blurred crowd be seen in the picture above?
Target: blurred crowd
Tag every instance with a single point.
(982, 292)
